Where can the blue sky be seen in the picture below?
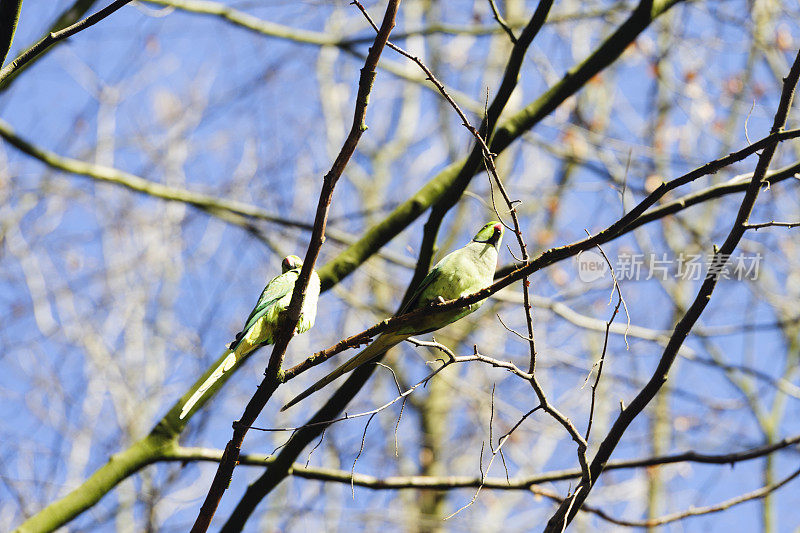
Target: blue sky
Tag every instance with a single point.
(190, 101)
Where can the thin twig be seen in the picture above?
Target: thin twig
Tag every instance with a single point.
(53, 37)
(696, 511)
(401, 396)
(502, 22)
(322, 436)
(429, 76)
(513, 331)
(360, 451)
(772, 224)
(544, 403)
(495, 452)
(404, 394)
(397, 427)
(620, 301)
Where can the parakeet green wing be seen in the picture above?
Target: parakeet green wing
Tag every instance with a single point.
(278, 288)
(262, 322)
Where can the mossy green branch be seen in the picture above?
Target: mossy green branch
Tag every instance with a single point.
(608, 52)
(55, 37)
(119, 467)
(159, 445)
(454, 179)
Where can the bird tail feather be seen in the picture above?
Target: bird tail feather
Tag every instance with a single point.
(223, 367)
(370, 353)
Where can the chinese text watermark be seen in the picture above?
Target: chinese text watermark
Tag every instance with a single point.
(689, 267)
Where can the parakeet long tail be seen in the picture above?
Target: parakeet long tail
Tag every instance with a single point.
(223, 367)
(378, 347)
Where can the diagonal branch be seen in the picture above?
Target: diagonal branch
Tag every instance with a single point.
(221, 208)
(273, 375)
(56, 36)
(570, 506)
(68, 17)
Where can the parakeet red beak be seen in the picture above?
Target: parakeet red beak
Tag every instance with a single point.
(498, 233)
(291, 262)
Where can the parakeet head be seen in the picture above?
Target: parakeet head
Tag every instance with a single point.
(491, 233)
(290, 262)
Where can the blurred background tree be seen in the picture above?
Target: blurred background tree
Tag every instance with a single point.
(156, 167)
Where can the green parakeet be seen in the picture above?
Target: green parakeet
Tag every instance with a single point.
(260, 326)
(459, 273)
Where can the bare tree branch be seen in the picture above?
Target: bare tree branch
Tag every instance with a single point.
(570, 506)
(274, 375)
(56, 36)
